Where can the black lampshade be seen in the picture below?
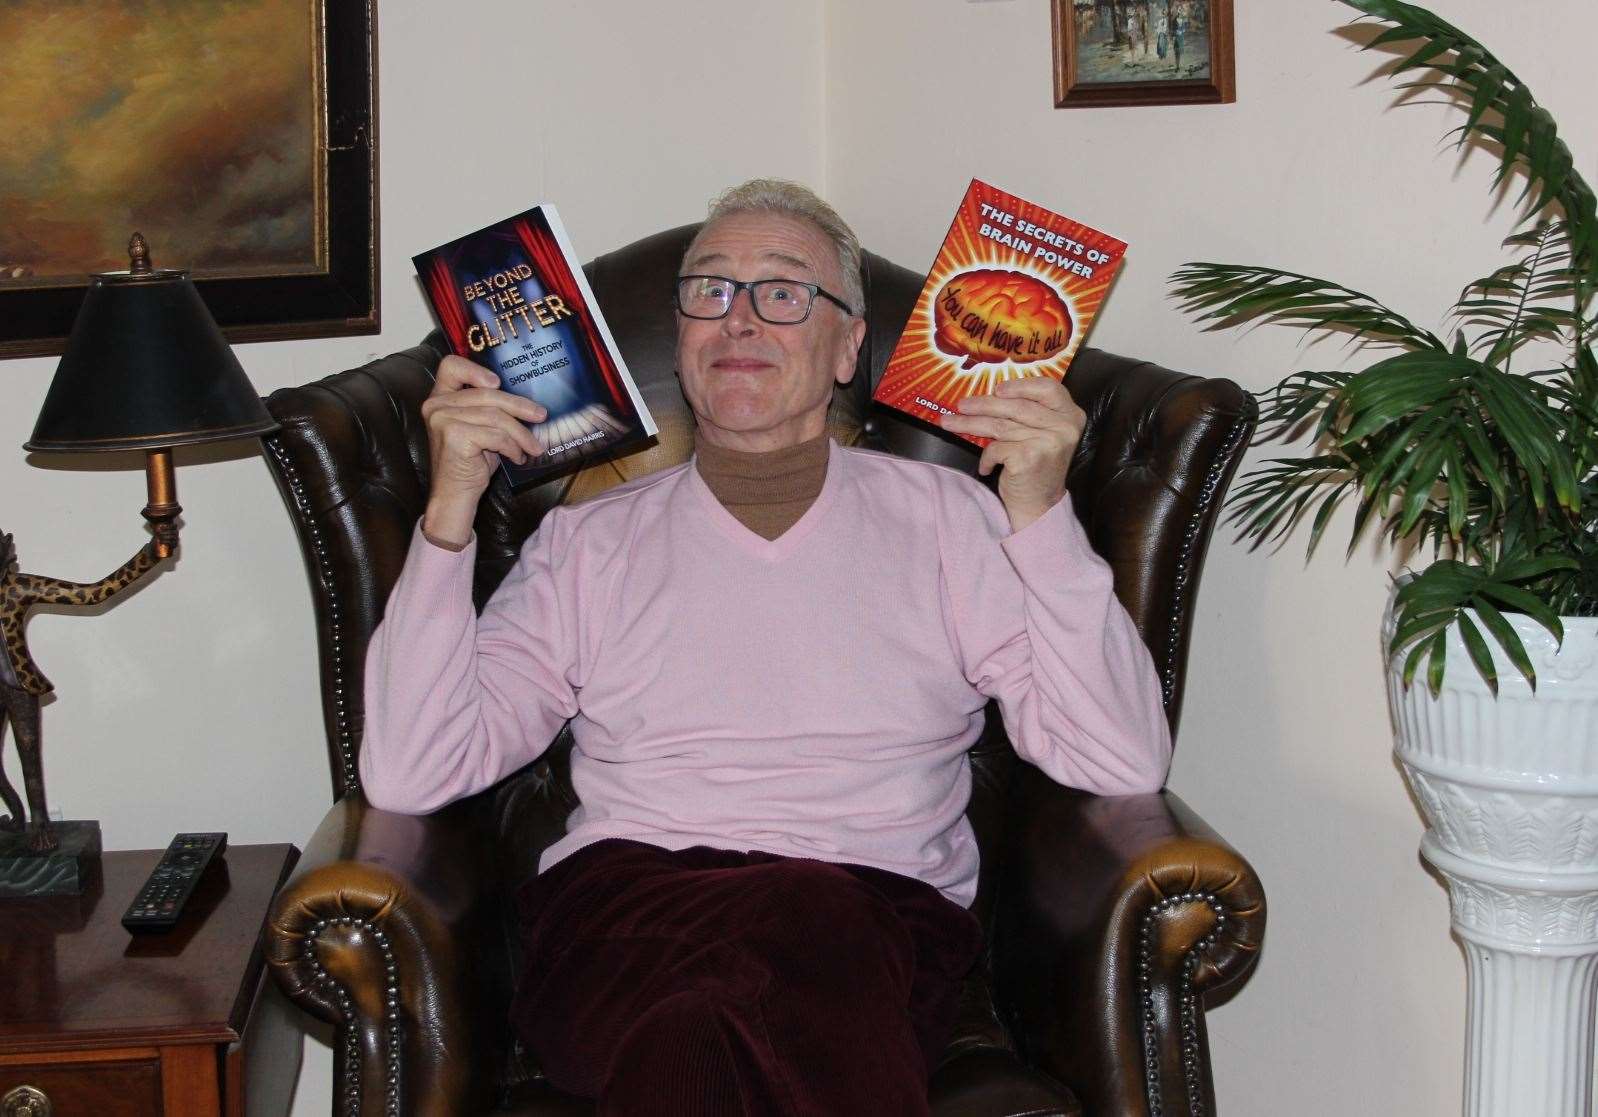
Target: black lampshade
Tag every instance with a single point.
(146, 367)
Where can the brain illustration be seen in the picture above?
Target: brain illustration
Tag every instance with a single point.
(992, 315)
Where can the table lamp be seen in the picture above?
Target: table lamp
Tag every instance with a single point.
(145, 368)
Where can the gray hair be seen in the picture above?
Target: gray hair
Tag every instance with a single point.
(775, 195)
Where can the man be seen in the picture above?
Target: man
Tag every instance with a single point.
(774, 659)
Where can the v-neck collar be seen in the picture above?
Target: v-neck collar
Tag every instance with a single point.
(770, 550)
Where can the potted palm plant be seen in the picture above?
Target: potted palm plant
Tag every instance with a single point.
(1478, 447)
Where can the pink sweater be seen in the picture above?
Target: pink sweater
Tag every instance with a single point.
(812, 695)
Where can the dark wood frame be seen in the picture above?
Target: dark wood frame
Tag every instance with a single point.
(1070, 93)
(341, 300)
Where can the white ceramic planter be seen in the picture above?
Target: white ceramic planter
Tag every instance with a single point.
(1509, 787)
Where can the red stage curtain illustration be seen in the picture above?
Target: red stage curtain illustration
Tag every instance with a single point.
(446, 300)
(545, 256)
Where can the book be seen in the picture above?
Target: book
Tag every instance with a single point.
(513, 298)
(1011, 294)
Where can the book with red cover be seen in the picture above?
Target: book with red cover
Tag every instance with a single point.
(1011, 294)
(513, 298)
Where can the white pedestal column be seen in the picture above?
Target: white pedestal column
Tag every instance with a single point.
(1509, 788)
(1531, 959)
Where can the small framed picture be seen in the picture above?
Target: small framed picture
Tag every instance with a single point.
(1143, 52)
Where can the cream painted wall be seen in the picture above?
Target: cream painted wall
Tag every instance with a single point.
(187, 705)
(190, 704)
(1358, 1003)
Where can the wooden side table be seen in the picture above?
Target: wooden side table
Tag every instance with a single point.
(97, 1021)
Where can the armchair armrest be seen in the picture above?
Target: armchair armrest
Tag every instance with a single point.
(369, 933)
(1118, 918)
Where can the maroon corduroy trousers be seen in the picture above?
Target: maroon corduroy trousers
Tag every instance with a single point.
(712, 983)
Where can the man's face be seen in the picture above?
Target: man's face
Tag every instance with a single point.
(754, 385)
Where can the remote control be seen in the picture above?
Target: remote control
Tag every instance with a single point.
(160, 901)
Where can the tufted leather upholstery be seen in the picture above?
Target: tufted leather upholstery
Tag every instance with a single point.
(1109, 920)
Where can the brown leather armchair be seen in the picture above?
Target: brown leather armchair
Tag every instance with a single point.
(1111, 921)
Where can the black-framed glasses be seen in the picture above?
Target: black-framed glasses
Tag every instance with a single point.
(782, 302)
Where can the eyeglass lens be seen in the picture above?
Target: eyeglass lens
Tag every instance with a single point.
(775, 300)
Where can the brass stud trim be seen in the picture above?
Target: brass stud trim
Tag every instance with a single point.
(349, 776)
(1193, 1054)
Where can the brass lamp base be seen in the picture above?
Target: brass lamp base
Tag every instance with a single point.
(64, 871)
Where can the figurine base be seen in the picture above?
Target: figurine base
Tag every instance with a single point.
(64, 871)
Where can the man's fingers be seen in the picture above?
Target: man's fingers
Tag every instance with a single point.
(983, 426)
(988, 460)
(1010, 422)
(470, 429)
(473, 398)
(994, 454)
(473, 439)
(519, 435)
(455, 373)
(1044, 389)
(1024, 412)
(1034, 427)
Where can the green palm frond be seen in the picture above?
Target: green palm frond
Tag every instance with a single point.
(1581, 375)
(1417, 412)
(1440, 443)
(1436, 599)
(1276, 495)
(1529, 300)
(1500, 108)
(1285, 408)
(1228, 293)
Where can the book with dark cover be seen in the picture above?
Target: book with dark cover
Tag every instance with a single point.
(513, 298)
(1011, 294)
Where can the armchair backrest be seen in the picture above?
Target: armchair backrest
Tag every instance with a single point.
(351, 460)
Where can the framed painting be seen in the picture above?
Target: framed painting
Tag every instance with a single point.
(239, 138)
(1143, 52)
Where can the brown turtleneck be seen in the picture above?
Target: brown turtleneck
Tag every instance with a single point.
(767, 492)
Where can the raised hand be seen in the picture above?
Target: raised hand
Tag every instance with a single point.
(471, 424)
(1035, 427)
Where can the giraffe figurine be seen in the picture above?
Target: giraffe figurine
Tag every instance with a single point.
(23, 685)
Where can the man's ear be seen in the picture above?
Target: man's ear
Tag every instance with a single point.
(851, 355)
